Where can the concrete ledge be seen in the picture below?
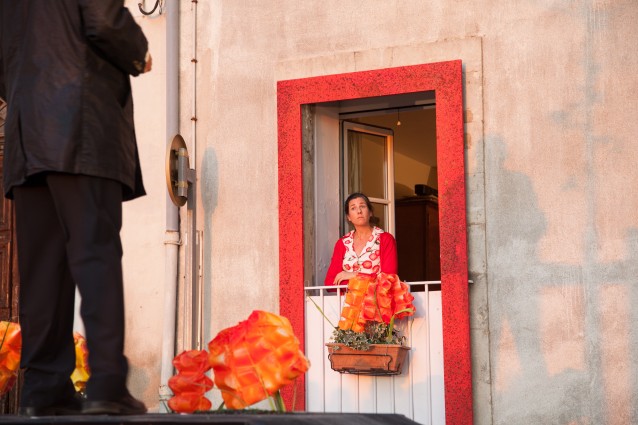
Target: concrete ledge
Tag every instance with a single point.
(222, 418)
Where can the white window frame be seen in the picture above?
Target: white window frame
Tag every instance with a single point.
(388, 169)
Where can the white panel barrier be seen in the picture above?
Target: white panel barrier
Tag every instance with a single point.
(417, 393)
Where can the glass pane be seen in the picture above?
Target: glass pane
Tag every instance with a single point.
(366, 164)
(380, 215)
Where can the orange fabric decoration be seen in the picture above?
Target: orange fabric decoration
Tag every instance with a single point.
(352, 311)
(189, 403)
(10, 348)
(82, 371)
(374, 298)
(401, 296)
(255, 358)
(190, 384)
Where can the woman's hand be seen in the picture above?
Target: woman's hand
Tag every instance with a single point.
(341, 276)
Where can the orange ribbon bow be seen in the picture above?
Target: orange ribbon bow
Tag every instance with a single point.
(190, 384)
(82, 371)
(375, 298)
(10, 348)
(255, 358)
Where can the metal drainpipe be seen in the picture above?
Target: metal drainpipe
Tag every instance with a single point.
(197, 284)
(172, 235)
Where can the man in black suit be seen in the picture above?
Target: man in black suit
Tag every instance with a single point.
(70, 161)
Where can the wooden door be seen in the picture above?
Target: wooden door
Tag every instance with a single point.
(9, 282)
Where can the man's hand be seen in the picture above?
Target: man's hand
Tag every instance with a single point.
(149, 63)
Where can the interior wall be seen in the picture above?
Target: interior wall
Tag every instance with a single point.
(414, 146)
(408, 173)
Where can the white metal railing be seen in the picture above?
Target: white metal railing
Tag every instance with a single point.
(418, 393)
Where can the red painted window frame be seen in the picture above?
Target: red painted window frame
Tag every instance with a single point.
(445, 79)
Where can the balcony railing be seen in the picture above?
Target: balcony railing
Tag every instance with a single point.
(418, 393)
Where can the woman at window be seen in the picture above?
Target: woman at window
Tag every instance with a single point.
(366, 249)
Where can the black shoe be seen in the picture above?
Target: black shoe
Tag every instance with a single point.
(126, 405)
(72, 406)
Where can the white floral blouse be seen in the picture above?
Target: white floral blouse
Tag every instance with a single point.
(367, 261)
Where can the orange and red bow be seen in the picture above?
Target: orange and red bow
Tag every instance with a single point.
(255, 358)
(10, 351)
(190, 384)
(376, 298)
(10, 347)
(82, 371)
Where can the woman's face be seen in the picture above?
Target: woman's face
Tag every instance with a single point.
(358, 212)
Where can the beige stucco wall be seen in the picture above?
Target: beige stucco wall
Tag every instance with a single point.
(552, 229)
(143, 225)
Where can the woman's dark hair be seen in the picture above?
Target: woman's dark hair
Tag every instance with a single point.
(355, 196)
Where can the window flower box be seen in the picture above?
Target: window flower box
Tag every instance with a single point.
(366, 342)
(378, 360)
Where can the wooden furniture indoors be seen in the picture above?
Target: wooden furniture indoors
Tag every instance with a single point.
(417, 235)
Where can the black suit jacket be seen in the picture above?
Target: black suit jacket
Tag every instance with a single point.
(64, 72)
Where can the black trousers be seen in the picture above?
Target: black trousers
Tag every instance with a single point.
(68, 235)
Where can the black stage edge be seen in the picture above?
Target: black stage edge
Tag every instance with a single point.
(296, 418)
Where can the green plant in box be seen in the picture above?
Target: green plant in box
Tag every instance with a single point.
(374, 333)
